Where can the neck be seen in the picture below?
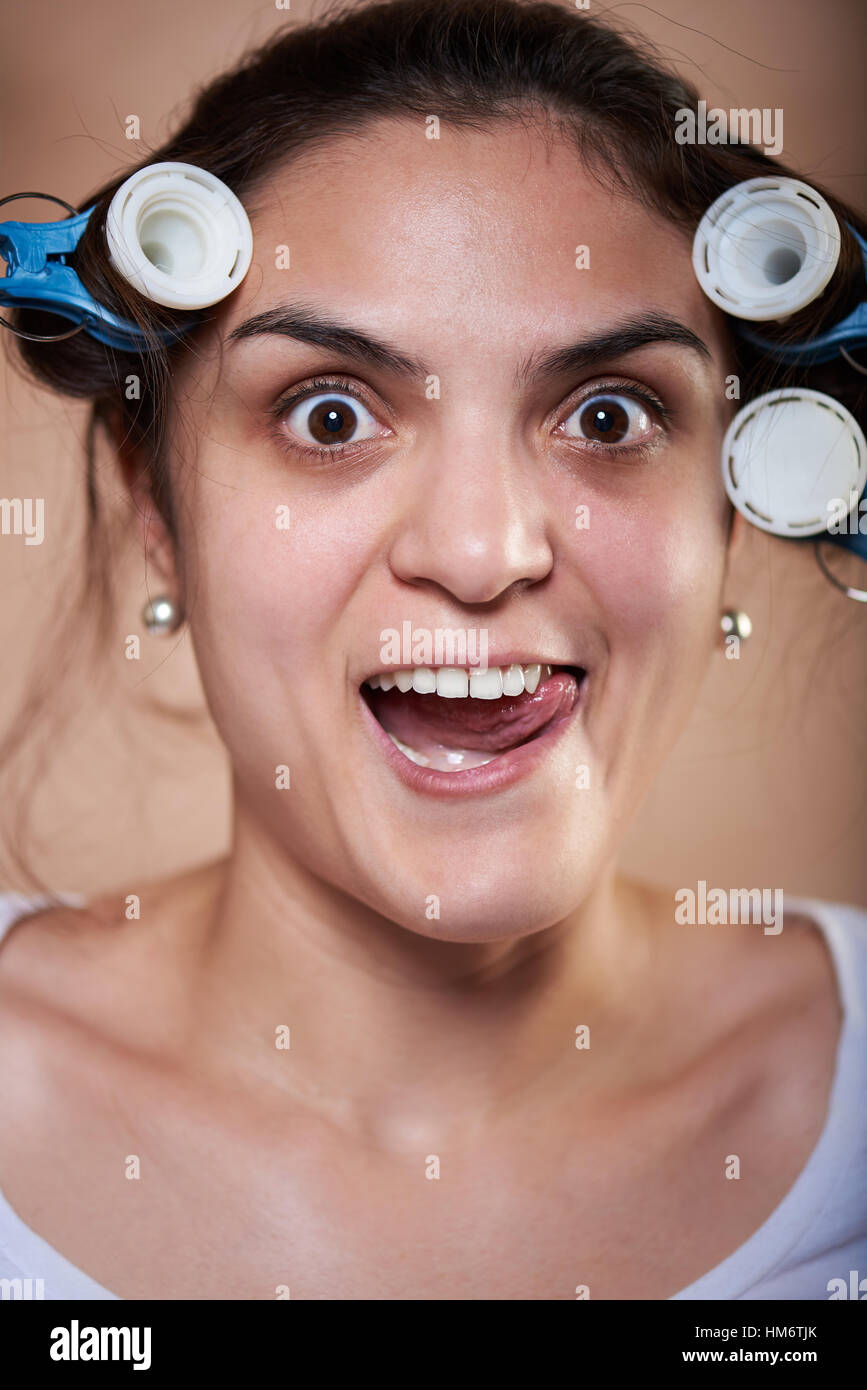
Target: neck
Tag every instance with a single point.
(392, 1031)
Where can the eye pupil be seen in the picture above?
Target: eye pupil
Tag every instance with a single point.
(608, 422)
(332, 420)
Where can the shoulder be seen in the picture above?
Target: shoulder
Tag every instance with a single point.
(843, 927)
(57, 962)
(744, 965)
(763, 1011)
(822, 993)
(46, 946)
(849, 917)
(110, 968)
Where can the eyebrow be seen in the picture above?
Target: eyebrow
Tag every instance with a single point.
(305, 325)
(627, 336)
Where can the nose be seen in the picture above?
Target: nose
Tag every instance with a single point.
(471, 520)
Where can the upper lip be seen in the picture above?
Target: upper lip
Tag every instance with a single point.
(515, 657)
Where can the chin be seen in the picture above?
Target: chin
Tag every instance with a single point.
(491, 906)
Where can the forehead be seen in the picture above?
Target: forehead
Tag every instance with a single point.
(456, 236)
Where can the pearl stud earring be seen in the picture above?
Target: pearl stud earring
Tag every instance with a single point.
(161, 616)
(735, 623)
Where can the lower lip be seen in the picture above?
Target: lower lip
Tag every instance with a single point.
(501, 772)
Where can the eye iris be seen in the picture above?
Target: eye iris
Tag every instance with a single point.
(607, 421)
(332, 421)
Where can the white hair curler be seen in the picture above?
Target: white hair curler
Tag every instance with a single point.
(766, 248)
(179, 235)
(793, 460)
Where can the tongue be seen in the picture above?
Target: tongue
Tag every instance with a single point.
(430, 723)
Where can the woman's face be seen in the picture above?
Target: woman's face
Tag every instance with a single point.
(499, 472)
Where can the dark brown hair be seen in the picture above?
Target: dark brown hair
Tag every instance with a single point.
(472, 63)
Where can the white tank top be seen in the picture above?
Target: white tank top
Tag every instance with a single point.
(812, 1246)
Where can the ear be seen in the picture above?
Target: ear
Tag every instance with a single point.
(157, 546)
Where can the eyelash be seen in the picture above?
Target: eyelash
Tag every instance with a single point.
(313, 388)
(319, 384)
(614, 387)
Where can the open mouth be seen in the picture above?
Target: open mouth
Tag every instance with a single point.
(453, 718)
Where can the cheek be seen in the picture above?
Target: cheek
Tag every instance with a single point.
(654, 570)
(269, 597)
(655, 561)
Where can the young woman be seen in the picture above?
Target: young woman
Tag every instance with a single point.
(413, 1037)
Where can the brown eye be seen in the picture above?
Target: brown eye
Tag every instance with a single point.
(330, 419)
(609, 419)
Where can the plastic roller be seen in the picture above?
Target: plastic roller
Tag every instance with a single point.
(179, 236)
(766, 248)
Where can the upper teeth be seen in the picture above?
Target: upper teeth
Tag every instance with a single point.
(455, 683)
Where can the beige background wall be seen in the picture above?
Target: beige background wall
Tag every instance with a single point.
(767, 786)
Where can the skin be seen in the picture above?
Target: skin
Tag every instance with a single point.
(413, 1037)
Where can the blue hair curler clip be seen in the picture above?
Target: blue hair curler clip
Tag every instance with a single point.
(38, 277)
(850, 332)
(175, 232)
